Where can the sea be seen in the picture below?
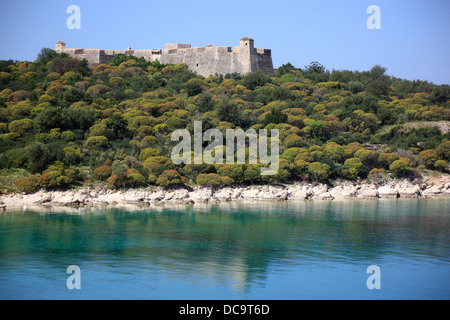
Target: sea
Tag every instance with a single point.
(388, 249)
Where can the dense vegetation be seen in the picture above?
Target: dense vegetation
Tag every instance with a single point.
(63, 124)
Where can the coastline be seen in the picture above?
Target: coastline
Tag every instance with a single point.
(300, 191)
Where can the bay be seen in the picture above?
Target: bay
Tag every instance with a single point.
(238, 250)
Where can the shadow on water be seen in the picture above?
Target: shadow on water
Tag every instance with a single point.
(235, 246)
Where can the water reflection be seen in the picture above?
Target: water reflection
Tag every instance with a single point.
(228, 246)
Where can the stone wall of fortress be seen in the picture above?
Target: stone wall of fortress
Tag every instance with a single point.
(207, 60)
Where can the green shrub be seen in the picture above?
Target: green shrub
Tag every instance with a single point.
(441, 165)
(170, 179)
(213, 180)
(102, 172)
(148, 152)
(399, 167)
(27, 184)
(377, 175)
(96, 142)
(385, 159)
(429, 157)
(135, 179)
(20, 126)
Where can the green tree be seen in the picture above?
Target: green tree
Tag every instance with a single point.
(294, 141)
(194, 87)
(354, 167)
(170, 179)
(205, 102)
(385, 159)
(378, 83)
(117, 125)
(275, 116)
(316, 129)
(319, 171)
(45, 55)
(441, 165)
(148, 152)
(291, 153)
(252, 174)
(39, 156)
(443, 149)
(72, 154)
(255, 79)
(334, 151)
(316, 72)
(135, 178)
(96, 142)
(429, 157)
(399, 168)
(20, 126)
(213, 180)
(229, 110)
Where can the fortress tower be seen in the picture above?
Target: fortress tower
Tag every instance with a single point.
(202, 60)
(60, 46)
(246, 48)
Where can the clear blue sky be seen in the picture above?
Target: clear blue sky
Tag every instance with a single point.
(413, 43)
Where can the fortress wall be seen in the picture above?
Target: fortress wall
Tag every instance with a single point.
(93, 56)
(74, 52)
(177, 46)
(205, 60)
(202, 60)
(146, 54)
(263, 63)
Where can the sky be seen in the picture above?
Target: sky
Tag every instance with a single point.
(412, 43)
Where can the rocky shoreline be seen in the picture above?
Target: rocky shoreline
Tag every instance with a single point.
(429, 188)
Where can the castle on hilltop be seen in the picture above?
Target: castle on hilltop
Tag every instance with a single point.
(203, 60)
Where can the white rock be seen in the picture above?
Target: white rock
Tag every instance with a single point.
(408, 189)
(387, 191)
(201, 194)
(367, 191)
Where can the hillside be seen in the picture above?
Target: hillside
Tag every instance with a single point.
(63, 124)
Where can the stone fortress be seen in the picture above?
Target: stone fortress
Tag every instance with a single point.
(203, 60)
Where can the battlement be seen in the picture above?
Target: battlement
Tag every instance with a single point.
(206, 60)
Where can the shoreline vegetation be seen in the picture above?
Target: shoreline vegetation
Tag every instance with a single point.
(429, 187)
(73, 134)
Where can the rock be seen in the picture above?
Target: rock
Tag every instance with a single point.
(320, 192)
(344, 191)
(156, 196)
(297, 193)
(387, 191)
(323, 196)
(273, 193)
(251, 193)
(433, 191)
(177, 196)
(321, 188)
(368, 191)
(446, 189)
(169, 196)
(223, 194)
(408, 189)
(201, 194)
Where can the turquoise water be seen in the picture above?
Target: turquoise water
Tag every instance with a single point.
(264, 250)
